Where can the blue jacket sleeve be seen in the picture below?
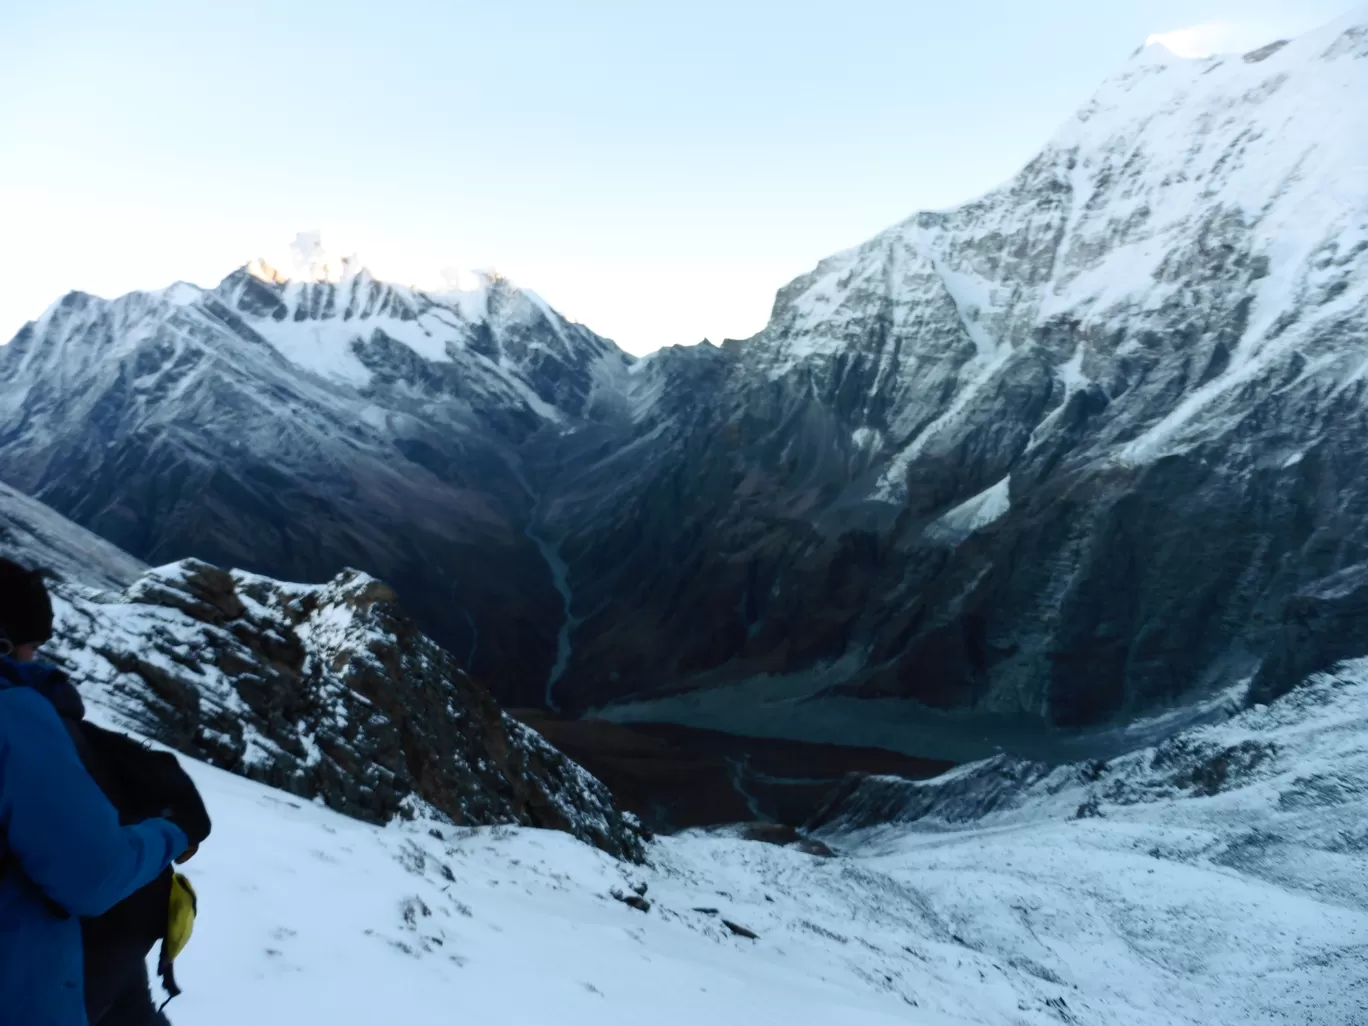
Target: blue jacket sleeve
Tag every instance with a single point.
(58, 823)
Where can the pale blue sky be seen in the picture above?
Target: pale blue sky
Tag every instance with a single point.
(655, 171)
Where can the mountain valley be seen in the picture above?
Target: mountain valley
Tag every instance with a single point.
(983, 641)
(1057, 472)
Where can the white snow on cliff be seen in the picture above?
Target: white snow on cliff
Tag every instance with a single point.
(1189, 197)
(979, 511)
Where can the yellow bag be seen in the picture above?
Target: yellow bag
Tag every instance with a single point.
(180, 919)
(180, 924)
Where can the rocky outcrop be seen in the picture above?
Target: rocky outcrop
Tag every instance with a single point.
(329, 692)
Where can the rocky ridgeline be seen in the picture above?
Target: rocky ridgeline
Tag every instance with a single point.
(326, 691)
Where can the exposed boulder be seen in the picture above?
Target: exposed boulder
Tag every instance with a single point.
(636, 900)
(740, 931)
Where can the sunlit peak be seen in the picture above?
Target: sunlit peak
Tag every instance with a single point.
(308, 262)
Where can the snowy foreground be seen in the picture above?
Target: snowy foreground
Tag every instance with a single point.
(1246, 906)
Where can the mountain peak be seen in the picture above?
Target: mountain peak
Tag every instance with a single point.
(309, 262)
(1157, 51)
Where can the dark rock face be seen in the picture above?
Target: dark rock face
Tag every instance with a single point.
(34, 535)
(327, 692)
(1321, 625)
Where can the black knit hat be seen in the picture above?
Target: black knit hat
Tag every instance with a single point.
(25, 609)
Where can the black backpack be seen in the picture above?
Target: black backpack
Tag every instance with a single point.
(141, 783)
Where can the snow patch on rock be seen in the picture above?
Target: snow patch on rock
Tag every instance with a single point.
(974, 513)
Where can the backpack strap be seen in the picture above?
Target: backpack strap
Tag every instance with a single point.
(168, 977)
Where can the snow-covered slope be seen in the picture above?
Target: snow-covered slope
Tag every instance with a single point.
(497, 346)
(1193, 194)
(1242, 902)
(1217, 877)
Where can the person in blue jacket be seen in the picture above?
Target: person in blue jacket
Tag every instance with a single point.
(63, 853)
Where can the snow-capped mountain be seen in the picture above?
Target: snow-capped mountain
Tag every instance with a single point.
(300, 427)
(1082, 450)
(329, 692)
(1085, 447)
(499, 349)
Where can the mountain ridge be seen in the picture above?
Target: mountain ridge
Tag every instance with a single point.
(177, 423)
(1074, 452)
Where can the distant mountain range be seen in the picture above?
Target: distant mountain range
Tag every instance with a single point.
(1087, 449)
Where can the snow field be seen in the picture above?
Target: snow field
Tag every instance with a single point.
(306, 916)
(1246, 906)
